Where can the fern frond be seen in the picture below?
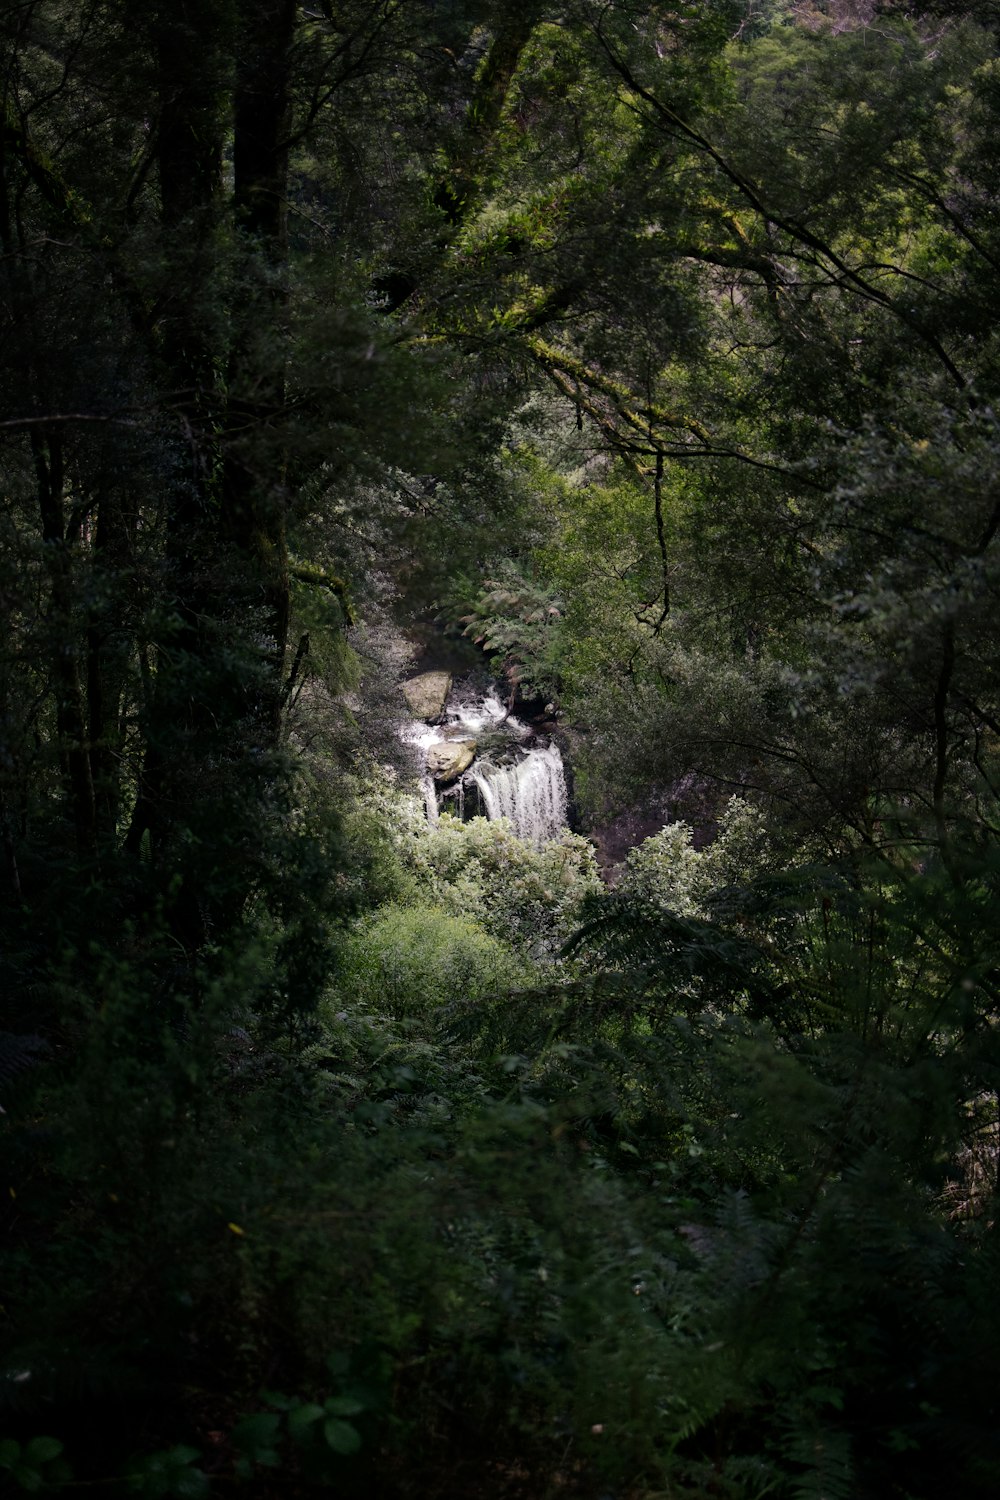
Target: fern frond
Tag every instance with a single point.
(826, 1456)
(636, 935)
(18, 1053)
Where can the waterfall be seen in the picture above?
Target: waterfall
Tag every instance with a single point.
(516, 778)
(532, 793)
(430, 796)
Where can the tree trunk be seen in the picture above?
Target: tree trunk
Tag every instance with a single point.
(254, 469)
(217, 700)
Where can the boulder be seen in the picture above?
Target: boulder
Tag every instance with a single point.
(427, 694)
(447, 759)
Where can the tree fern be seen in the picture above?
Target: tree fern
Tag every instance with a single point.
(517, 620)
(694, 958)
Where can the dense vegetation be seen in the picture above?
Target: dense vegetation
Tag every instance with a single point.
(651, 347)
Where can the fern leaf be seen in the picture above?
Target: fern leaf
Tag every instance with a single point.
(17, 1053)
(829, 1471)
(637, 935)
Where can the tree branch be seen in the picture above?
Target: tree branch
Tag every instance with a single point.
(676, 125)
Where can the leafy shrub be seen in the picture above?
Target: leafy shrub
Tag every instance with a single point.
(409, 958)
(668, 871)
(527, 897)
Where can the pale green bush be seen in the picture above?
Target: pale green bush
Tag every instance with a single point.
(667, 870)
(407, 959)
(528, 897)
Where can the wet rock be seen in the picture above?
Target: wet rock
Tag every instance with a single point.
(447, 759)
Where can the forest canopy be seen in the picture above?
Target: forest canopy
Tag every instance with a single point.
(639, 362)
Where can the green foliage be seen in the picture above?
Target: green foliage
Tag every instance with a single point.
(658, 343)
(255, 1439)
(664, 869)
(408, 958)
(517, 622)
(524, 897)
(603, 1208)
(35, 1465)
(318, 1435)
(602, 553)
(172, 1475)
(668, 871)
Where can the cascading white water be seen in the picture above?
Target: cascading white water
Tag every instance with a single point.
(430, 796)
(530, 790)
(532, 793)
